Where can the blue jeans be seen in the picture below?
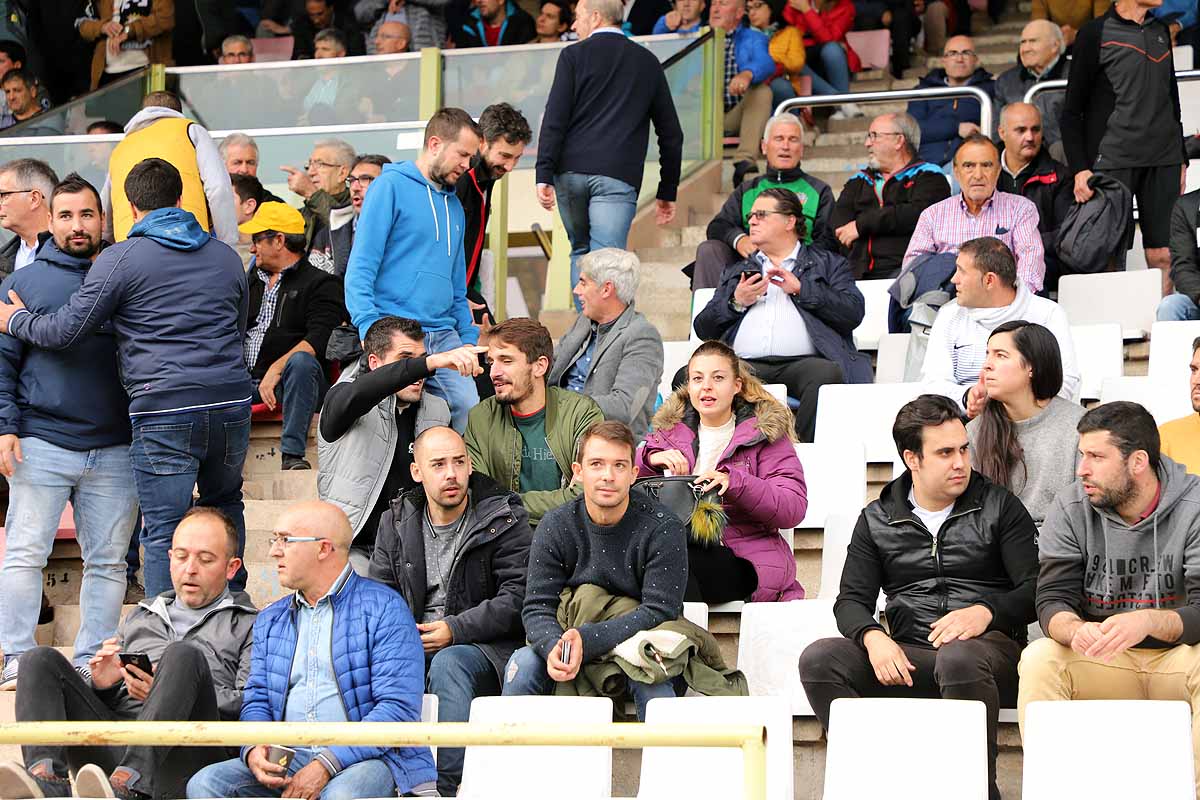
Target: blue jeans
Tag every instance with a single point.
(1177, 308)
(457, 390)
(834, 75)
(299, 392)
(232, 778)
(99, 483)
(457, 675)
(596, 212)
(781, 90)
(173, 452)
(526, 674)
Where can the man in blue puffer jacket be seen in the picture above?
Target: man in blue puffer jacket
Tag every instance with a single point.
(342, 648)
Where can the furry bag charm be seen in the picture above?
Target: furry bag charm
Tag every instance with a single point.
(700, 512)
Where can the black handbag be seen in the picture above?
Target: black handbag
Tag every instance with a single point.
(700, 512)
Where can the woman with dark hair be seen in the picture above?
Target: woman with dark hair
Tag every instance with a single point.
(1025, 437)
(724, 427)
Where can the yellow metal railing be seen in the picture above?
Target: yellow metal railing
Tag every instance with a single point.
(751, 739)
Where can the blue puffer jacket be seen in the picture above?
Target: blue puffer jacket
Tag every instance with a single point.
(379, 663)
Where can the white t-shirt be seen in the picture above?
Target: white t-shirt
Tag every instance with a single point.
(933, 519)
(713, 442)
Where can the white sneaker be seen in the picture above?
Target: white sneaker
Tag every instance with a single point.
(8, 678)
(848, 111)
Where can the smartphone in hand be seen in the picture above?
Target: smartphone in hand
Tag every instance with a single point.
(139, 660)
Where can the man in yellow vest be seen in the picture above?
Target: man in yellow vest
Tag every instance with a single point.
(160, 130)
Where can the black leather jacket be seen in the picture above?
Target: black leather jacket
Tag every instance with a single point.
(984, 554)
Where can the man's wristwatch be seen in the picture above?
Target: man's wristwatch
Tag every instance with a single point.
(738, 307)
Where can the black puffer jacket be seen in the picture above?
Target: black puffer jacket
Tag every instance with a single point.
(984, 554)
(1050, 186)
(487, 580)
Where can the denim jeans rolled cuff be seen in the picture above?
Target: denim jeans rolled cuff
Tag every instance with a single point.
(1177, 307)
(100, 485)
(232, 778)
(299, 392)
(596, 211)
(457, 675)
(171, 454)
(457, 390)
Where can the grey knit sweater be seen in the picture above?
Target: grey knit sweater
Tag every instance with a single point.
(1050, 444)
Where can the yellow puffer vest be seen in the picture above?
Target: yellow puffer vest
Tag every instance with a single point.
(166, 139)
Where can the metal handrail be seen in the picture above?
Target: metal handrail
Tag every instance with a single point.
(675, 58)
(986, 110)
(1186, 75)
(312, 130)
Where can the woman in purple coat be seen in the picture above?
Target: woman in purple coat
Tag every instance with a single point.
(724, 427)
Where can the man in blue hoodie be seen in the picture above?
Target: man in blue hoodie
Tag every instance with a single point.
(408, 258)
(54, 448)
(177, 300)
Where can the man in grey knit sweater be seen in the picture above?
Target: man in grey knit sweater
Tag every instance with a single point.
(630, 547)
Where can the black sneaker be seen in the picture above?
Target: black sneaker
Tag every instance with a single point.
(17, 782)
(134, 592)
(741, 169)
(295, 462)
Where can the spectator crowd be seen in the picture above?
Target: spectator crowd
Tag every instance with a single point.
(501, 514)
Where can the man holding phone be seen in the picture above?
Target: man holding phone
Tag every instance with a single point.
(184, 655)
(635, 549)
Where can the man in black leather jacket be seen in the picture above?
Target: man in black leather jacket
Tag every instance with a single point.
(956, 556)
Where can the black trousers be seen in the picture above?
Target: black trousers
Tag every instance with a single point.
(983, 669)
(716, 575)
(51, 690)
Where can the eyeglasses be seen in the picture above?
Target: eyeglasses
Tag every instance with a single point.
(5, 195)
(959, 54)
(322, 164)
(761, 214)
(874, 135)
(265, 236)
(282, 540)
(365, 180)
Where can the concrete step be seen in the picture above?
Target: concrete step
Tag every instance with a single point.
(66, 623)
(836, 180)
(261, 515)
(264, 456)
(850, 151)
(293, 485)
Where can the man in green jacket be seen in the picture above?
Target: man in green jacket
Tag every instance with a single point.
(524, 438)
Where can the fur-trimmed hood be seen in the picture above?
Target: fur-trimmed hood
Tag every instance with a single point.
(773, 420)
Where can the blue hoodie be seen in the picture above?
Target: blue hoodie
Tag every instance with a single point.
(70, 398)
(178, 301)
(407, 259)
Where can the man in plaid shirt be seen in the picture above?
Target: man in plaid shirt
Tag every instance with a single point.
(982, 211)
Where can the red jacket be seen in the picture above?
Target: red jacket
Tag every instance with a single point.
(827, 26)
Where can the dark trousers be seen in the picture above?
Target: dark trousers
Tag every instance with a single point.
(983, 669)
(51, 690)
(712, 257)
(716, 575)
(803, 376)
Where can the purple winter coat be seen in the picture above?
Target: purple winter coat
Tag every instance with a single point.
(766, 484)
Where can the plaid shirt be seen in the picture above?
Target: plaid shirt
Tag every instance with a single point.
(266, 312)
(731, 71)
(1010, 218)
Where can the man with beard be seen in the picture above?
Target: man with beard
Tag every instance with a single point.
(525, 436)
(1118, 592)
(408, 254)
(54, 448)
(456, 549)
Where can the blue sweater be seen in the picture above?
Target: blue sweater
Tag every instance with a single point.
(380, 668)
(407, 259)
(42, 392)
(177, 299)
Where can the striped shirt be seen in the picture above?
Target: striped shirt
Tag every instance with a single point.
(1012, 219)
(266, 312)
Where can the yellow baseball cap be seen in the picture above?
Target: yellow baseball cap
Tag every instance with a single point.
(274, 217)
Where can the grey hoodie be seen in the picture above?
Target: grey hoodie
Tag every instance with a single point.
(1095, 565)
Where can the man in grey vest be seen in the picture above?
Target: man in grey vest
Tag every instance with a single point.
(372, 416)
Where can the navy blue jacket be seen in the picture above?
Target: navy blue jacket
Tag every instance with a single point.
(829, 302)
(939, 119)
(70, 398)
(378, 661)
(178, 300)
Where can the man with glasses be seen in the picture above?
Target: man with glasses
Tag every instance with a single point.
(947, 121)
(293, 308)
(196, 638)
(330, 249)
(322, 183)
(25, 188)
(341, 648)
(878, 208)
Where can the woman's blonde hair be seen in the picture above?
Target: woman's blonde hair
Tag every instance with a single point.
(753, 391)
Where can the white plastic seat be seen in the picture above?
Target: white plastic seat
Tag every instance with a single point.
(778, 391)
(1137, 389)
(429, 713)
(675, 355)
(932, 749)
(865, 411)
(874, 322)
(835, 476)
(1100, 354)
(1153, 759)
(771, 638)
(503, 771)
(892, 355)
(700, 299)
(696, 613)
(838, 529)
(671, 772)
(1170, 355)
(1128, 298)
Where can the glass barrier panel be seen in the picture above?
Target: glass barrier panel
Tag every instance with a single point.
(361, 89)
(118, 102)
(686, 78)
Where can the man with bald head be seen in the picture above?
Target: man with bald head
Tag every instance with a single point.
(341, 648)
(1041, 54)
(392, 37)
(947, 121)
(1028, 169)
(456, 547)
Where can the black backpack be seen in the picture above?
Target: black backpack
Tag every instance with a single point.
(1093, 231)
